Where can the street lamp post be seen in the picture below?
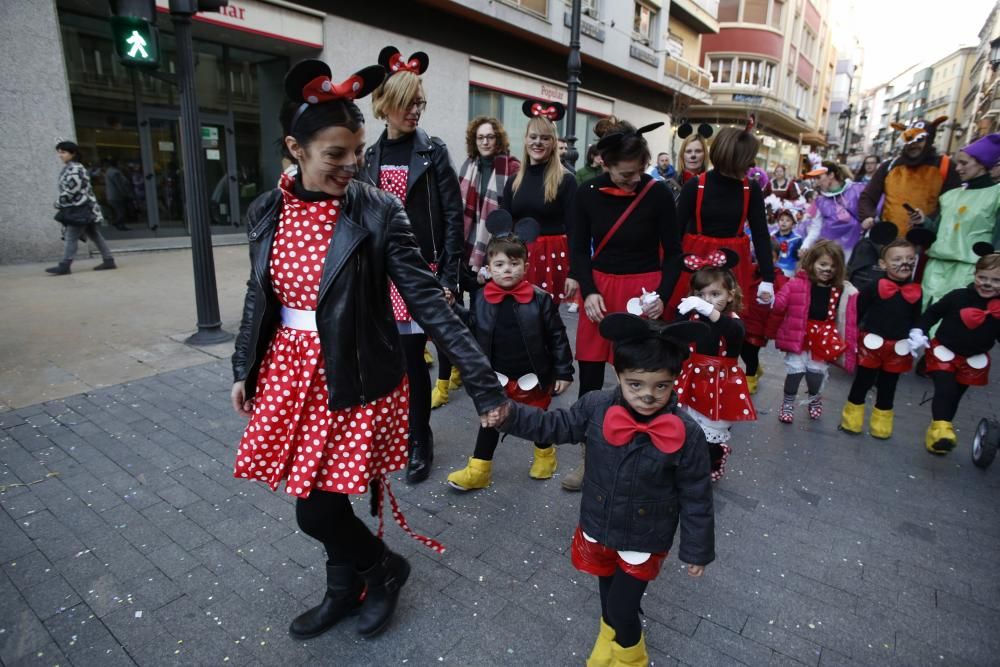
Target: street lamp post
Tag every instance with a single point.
(573, 68)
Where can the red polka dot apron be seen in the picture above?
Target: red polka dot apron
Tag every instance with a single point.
(548, 265)
(292, 434)
(823, 341)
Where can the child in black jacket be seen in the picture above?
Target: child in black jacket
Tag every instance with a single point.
(647, 471)
(518, 327)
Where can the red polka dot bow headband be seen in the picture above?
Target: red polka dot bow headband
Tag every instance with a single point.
(554, 111)
(723, 258)
(310, 82)
(392, 60)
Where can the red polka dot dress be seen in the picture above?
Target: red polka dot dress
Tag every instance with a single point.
(392, 179)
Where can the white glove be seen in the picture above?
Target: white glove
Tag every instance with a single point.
(765, 288)
(918, 342)
(484, 274)
(697, 304)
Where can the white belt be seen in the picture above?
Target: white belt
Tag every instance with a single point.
(293, 318)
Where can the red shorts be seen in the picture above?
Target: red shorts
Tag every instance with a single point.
(885, 356)
(616, 290)
(940, 358)
(538, 396)
(596, 559)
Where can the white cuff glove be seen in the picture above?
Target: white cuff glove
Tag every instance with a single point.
(918, 342)
(697, 304)
(765, 288)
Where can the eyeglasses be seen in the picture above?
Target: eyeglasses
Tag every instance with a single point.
(487, 138)
(417, 105)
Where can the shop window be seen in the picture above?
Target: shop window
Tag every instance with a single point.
(729, 10)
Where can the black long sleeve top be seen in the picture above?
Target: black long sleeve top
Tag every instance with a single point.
(636, 246)
(953, 333)
(529, 201)
(890, 318)
(509, 355)
(721, 211)
(819, 302)
(727, 328)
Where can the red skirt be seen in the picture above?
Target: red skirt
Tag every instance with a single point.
(601, 561)
(884, 355)
(823, 341)
(716, 387)
(548, 265)
(616, 290)
(701, 245)
(973, 371)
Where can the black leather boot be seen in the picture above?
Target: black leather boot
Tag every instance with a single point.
(60, 269)
(343, 597)
(421, 457)
(384, 581)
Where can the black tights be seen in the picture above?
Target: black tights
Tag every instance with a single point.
(883, 381)
(621, 594)
(947, 394)
(487, 440)
(814, 382)
(329, 518)
(591, 376)
(420, 386)
(750, 354)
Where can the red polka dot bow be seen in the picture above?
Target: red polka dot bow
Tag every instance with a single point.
(322, 89)
(397, 63)
(973, 318)
(523, 292)
(551, 111)
(887, 289)
(666, 431)
(716, 259)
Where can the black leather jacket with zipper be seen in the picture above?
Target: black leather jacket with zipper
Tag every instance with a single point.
(372, 243)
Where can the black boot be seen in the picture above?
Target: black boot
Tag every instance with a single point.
(343, 597)
(106, 265)
(383, 581)
(421, 457)
(60, 269)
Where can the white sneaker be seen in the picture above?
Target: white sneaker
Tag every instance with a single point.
(574, 307)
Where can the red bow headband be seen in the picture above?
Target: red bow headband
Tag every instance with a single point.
(393, 61)
(554, 111)
(721, 258)
(309, 82)
(322, 89)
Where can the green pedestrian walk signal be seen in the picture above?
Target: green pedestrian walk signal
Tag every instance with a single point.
(135, 35)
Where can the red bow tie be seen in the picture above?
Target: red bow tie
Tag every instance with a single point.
(523, 292)
(666, 431)
(617, 192)
(973, 318)
(888, 289)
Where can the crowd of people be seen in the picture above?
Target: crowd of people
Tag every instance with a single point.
(678, 274)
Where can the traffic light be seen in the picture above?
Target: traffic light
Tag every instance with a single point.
(134, 32)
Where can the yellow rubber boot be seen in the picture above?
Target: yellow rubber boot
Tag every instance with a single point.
(544, 464)
(940, 438)
(633, 656)
(600, 655)
(455, 381)
(753, 380)
(476, 475)
(439, 394)
(852, 418)
(881, 425)
(428, 357)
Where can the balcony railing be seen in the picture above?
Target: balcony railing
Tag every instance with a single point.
(684, 71)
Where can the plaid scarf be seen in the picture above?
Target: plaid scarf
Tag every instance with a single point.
(478, 205)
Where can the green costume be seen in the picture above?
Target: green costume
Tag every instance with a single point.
(967, 215)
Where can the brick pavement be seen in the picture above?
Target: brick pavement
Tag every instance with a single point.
(125, 540)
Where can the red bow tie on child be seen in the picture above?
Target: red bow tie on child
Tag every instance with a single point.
(888, 289)
(523, 292)
(974, 317)
(666, 431)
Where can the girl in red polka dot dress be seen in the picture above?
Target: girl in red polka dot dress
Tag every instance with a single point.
(814, 322)
(318, 362)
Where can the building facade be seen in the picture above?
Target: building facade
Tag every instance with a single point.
(981, 105)
(950, 84)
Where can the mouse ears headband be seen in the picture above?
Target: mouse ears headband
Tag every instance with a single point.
(500, 224)
(554, 111)
(685, 129)
(983, 249)
(392, 60)
(722, 258)
(614, 139)
(885, 232)
(309, 82)
(621, 327)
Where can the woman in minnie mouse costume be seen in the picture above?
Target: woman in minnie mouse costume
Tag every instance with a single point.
(415, 167)
(959, 352)
(318, 365)
(543, 190)
(712, 387)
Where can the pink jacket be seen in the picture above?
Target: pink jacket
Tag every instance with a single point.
(787, 323)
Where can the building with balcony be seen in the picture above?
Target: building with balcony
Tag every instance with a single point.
(981, 105)
(772, 58)
(886, 103)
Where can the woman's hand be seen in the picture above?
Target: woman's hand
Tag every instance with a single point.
(570, 289)
(496, 416)
(654, 309)
(696, 570)
(595, 308)
(238, 395)
(561, 386)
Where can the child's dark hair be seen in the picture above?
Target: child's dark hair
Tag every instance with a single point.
(702, 278)
(509, 245)
(826, 248)
(895, 243)
(649, 354)
(315, 118)
(69, 147)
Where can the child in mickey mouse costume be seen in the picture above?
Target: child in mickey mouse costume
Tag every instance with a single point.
(647, 471)
(518, 327)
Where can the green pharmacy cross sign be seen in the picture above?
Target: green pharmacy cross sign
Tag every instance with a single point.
(136, 41)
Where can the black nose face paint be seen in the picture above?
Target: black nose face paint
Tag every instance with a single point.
(648, 399)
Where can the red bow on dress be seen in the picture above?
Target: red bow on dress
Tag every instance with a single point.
(888, 289)
(973, 318)
(322, 89)
(617, 192)
(399, 64)
(716, 258)
(539, 109)
(523, 292)
(666, 431)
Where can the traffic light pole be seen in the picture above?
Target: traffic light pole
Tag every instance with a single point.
(196, 192)
(573, 67)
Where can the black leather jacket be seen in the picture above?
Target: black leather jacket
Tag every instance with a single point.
(634, 496)
(372, 243)
(542, 330)
(433, 202)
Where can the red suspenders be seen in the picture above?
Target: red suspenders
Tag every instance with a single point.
(701, 196)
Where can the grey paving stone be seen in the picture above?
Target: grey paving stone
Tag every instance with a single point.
(85, 640)
(52, 596)
(792, 646)
(29, 569)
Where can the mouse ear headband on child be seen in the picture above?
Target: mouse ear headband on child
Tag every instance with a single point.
(983, 249)
(614, 139)
(721, 258)
(554, 111)
(500, 224)
(309, 82)
(685, 129)
(392, 60)
(619, 327)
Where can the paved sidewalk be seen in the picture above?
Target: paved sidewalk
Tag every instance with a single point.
(125, 540)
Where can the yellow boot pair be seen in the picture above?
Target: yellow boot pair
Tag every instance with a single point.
(940, 438)
(477, 475)
(544, 464)
(852, 420)
(607, 652)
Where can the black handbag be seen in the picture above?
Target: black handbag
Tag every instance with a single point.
(79, 215)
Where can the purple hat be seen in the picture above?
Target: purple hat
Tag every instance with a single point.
(986, 151)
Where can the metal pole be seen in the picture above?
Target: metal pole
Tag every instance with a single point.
(196, 192)
(573, 67)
